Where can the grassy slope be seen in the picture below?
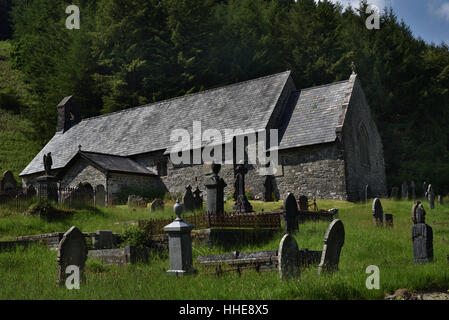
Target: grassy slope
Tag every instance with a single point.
(31, 273)
(17, 147)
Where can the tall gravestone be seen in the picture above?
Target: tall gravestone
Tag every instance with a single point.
(412, 194)
(395, 193)
(334, 240)
(290, 214)
(378, 213)
(242, 204)
(197, 198)
(303, 203)
(424, 189)
(422, 235)
(188, 200)
(180, 244)
(404, 190)
(215, 192)
(430, 194)
(367, 193)
(72, 250)
(268, 189)
(288, 256)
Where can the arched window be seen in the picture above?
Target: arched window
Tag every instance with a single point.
(363, 140)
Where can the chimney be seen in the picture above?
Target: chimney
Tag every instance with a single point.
(68, 114)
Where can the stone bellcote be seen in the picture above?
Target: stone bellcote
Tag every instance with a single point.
(68, 114)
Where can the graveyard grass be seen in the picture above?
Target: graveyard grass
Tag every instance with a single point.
(31, 273)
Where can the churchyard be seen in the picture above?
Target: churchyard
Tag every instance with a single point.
(31, 272)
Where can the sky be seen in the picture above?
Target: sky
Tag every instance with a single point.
(428, 19)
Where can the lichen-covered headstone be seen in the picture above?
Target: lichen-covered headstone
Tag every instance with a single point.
(288, 257)
(72, 250)
(188, 200)
(303, 203)
(157, 204)
(290, 214)
(334, 240)
(378, 213)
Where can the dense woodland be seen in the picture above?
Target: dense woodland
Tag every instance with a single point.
(132, 52)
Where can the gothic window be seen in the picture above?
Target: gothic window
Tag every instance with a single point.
(364, 145)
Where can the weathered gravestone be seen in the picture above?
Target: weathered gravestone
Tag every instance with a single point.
(422, 235)
(268, 189)
(288, 258)
(367, 193)
(290, 214)
(440, 199)
(394, 193)
(430, 196)
(215, 191)
(412, 194)
(303, 203)
(334, 240)
(197, 198)
(180, 244)
(136, 201)
(72, 251)
(188, 200)
(404, 190)
(157, 204)
(378, 213)
(103, 239)
(424, 189)
(8, 184)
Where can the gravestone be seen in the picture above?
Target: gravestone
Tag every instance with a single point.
(188, 200)
(394, 193)
(334, 240)
(136, 201)
(430, 196)
(422, 235)
(72, 250)
(424, 189)
(440, 199)
(215, 192)
(197, 198)
(268, 189)
(179, 244)
(367, 193)
(103, 239)
(242, 204)
(412, 194)
(378, 213)
(157, 204)
(404, 190)
(8, 184)
(288, 258)
(290, 214)
(303, 203)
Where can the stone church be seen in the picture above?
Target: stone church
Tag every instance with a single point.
(329, 145)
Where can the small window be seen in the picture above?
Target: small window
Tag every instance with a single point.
(364, 146)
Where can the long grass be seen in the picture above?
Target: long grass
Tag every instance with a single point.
(31, 273)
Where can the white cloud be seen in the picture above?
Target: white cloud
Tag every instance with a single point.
(443, 11)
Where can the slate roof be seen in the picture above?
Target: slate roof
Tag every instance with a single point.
(313, 115)
(147, 128)
(114, 163)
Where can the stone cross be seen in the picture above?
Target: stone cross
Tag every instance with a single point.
(404, 190)
(290, 214)
(378, 213)
(242, 204)
(268, 189)
(189, 201)
(72, 250)
(334, 240)
(179, 244)
(430, 196)
(288, 255)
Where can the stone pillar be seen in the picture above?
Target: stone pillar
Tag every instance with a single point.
(215, 192)
(48, 188)
(180, 244)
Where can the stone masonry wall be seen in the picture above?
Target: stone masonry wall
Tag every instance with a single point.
(358, 173)
(116, 181)
(83, 172)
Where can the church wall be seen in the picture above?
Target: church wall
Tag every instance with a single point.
(358, 150)
(81, 172)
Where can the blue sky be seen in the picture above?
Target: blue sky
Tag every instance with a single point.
(428, 19)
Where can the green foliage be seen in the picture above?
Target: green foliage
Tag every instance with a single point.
(134, 236)
(48, 210)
